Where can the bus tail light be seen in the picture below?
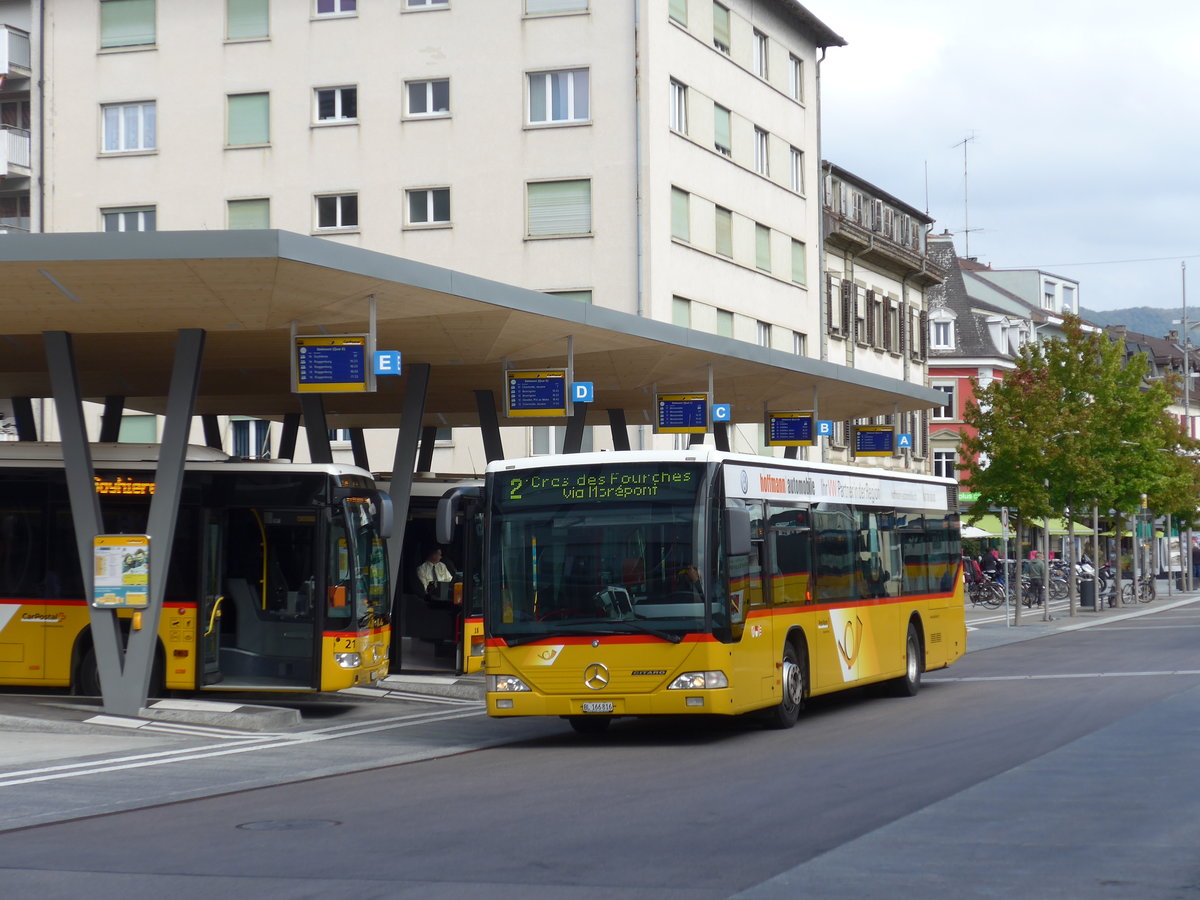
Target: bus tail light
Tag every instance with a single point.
(476, 645)
(699, 681)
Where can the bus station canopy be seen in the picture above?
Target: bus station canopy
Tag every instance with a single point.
(991, 525)
(124, 297)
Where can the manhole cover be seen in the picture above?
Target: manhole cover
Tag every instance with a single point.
(288, 824)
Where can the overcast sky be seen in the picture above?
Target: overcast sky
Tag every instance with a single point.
(1085, 116)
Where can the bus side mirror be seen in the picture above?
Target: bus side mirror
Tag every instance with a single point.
(737, 531)
(448, 509)
(337, 596)
(387, 516)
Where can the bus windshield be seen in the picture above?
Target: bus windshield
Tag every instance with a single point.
(359, 562)
(597, 550)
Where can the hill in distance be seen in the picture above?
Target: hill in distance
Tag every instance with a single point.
(1144, 319)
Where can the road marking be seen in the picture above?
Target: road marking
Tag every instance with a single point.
(247, 745)
(1192, 672)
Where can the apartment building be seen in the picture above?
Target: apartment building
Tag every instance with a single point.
(659, 158)
(878, 272)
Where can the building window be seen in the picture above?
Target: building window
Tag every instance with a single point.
(558, 96)
(545, 439)
(762, 159)
(338, 104)
(249, 213)
(721, 130)
(542, 7)
(678, 107)
(724, 232)
(1068, 303)
(946, 410)
(129, 126)
(429, 206)
(425, 4)
(681, 226)
(681, 312)
(764, 334)
(136, 429)
(1048, 296)
(246, 19)
(799, 343)
(15, 212)
(762, 247)
(139, 218)
(127, 23)
(337, 211)
(678, 11)
(584, 297)
(796, 170)
(799, 263)
(942, 335)
(945, 463)
(760, 54)
(336, 7)
(249, 120)
(559, 208)
(724, 323)
(796, 78)
(428, 98)
(251, 438)
(721, 28)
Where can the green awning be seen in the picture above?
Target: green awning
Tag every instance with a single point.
(991, 524)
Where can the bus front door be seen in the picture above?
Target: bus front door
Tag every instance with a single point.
(209, 622)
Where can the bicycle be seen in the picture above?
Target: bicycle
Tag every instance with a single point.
(988, 592)
(1031, 591)
(1144, 593)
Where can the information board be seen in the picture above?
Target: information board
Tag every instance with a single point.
(681, 414)
(331, 364)
(874, 440)
(789, 429)
(540, 392)
(121, 566)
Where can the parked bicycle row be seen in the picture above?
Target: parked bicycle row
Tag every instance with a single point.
(987, 587)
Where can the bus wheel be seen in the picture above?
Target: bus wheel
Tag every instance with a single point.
(788, 711)
(909, 683)
(590, 724)
(87, 676)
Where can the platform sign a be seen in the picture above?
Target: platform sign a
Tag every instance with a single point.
(536, 392)
(789, 429)
(681, 414)
(121, 569)
(331, 364)
(874, 440)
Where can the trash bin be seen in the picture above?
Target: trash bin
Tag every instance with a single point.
(1087, 593)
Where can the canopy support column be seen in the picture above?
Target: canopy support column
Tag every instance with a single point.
(291, 430)
(110, 420)
(315, 429)
(489, 425)
(573, 439)
(620, 433)
(26, 424)
(212, 432)
(425, 456)
(358, 446)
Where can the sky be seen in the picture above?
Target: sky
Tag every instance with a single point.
(1082, 127)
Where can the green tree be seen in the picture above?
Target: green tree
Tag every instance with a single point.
(1076, 424)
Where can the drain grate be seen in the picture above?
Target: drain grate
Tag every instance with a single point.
(288, 824)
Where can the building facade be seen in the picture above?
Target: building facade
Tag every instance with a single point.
(655, 158)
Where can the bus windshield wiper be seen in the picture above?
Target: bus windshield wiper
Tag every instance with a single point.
(624, 626)
(589, 626)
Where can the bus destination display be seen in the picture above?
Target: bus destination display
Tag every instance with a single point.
(594, 484)
(331, 364)
(873, 440)
(537, 393)
(789, 429)
(682, 414)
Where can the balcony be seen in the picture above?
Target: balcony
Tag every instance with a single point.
(14, 151)
(872, 246)
(14, 54)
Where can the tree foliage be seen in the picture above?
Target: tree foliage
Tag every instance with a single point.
(1076, 424)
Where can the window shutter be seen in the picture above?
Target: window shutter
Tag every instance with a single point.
(678, 11)
(246, 19)
(720, 26)
(560, 207)
(830, 326)
(126, 23)
(924, 335)
(848, 319)
(887, 324)
(902, 323)
(870, 317)
(249, 119)
(554, 6)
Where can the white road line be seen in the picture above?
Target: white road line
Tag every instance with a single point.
(142, 760)
(939, 679)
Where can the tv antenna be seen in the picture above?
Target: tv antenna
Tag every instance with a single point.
(967, 229)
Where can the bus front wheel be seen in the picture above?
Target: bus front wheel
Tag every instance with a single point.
(792, 701)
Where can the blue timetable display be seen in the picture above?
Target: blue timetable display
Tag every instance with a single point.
(789, 429)
(874, 440)
(537, 393)
(331, 364)
(681, 414)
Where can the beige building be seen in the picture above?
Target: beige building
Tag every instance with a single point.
(657, 157)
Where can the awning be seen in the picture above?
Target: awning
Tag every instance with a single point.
(974, 531)
(991, 526)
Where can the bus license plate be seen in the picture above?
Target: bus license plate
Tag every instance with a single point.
(598, 707)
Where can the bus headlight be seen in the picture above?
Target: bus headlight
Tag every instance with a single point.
(699, 681)
(348, 660)
(505, 684)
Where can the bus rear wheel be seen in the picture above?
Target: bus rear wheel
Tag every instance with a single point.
(785, 714)
(909, 683)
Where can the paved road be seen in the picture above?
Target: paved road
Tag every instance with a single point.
(1056, 767)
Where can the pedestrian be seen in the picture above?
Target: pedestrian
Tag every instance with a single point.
(990, 564)
(1195, 559)
(1035, 567)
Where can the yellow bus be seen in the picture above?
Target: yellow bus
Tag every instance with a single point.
(278, 578)
(642, 583)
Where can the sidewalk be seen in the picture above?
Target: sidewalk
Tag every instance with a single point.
(983, 636)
